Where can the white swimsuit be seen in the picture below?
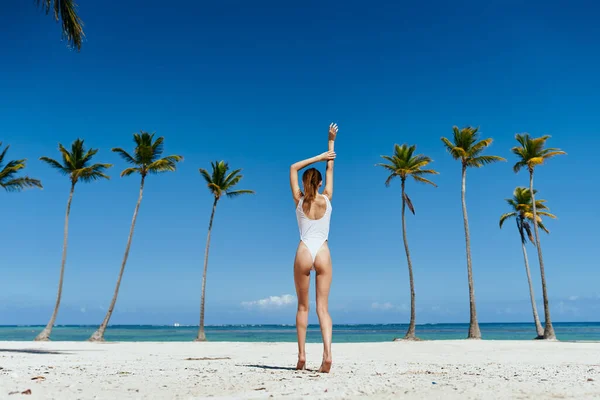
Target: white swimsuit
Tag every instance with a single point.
(313, 232)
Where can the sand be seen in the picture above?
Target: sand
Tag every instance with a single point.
(408, 370)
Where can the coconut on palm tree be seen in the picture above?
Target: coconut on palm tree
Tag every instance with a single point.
(146, 159)
(9, 180)
(65, 12)
(532, 152)
(402, 164)
(522, 212)
(221, 183)
(76, 165)
(467, 148)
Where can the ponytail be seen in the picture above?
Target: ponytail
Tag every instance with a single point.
(310, 180)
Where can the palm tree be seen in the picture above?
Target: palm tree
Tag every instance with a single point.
(402, 164)
(522, 211)
(468, 149)
(531, 153)
(65, 11)
(146, 160)
(220, 183)
(76, 165)
(9, 181)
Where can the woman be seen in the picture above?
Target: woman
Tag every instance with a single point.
(313, 212)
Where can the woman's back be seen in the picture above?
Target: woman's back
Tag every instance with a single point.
(316, 209)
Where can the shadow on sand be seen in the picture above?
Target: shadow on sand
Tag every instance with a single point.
(31, 351)
(268, 367)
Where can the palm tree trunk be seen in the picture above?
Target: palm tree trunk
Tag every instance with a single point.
(410, 334)
(98, 336)
(201, 335)
(45, 334)
(549, 329)
(536, 318)
(474, 332)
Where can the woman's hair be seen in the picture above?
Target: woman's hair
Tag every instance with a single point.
(310, 180)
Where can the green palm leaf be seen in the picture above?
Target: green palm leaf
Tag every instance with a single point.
(522, 208)
(124, 155)
(506, 216)
(468, 148)
(236, 193)
(405, 163)
(76, 163)
(56, 165)
(147, 156)
(18, 184)
(532, 151)
(221, 182)
(8, 174)
(130, 171)
(65, 12)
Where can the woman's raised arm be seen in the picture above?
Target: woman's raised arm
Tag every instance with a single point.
(333, 130)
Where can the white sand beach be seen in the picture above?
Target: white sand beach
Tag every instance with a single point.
(410, 370)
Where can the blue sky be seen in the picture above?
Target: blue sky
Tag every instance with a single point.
(257, 84)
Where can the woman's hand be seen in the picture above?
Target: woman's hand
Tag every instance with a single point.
(333, 130)
(328, 155)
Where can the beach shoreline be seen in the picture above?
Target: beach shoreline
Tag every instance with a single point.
(412, 370)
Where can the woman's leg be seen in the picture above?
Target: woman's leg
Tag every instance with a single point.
(324, 273)
(302, 267)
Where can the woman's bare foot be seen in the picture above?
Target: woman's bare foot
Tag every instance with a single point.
(301, 364)
(325, 367)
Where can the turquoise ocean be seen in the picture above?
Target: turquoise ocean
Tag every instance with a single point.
(580, 331)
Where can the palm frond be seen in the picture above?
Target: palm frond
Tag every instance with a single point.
(158, 147)
(3, 153)
(167, 164)
(88, 156)
(12, 168)
(527, 228)
(220, 182)
(455, 152)
(506, 216)
(240, 192)
(215, 189)
(522, 207)
(56, 165)
(65, 12)
(552, 154)
(423, 180)
(425, 171)
(92, 173)
(545, 214)
(519, 165)
(479, 147)
(388, 181)
(531, 151)
(391, 168)
(480, 161)
(130, 171)
(230, 182)
(124, 155)
(205, 175)
(173, 158)
(18, 184)
(230, 179)
(409, 203)
(542, 227)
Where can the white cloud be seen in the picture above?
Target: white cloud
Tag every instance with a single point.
(271, 302)
(82, 309)
(573, 298)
